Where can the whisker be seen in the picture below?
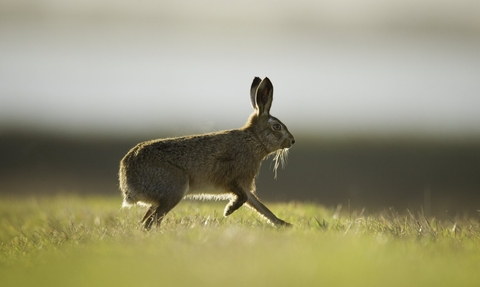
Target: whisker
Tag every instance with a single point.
(280, 159)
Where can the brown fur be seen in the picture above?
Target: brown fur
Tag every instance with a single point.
(160, 173)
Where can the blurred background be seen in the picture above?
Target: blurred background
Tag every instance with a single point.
(382, 96)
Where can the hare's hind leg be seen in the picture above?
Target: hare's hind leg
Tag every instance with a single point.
(149, 213)
(147, 219)
(168, 192)
(156, 213)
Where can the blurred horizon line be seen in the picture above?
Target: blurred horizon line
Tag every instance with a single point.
(307, 135)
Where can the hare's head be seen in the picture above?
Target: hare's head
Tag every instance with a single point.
(273, 134)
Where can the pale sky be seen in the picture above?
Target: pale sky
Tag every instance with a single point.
(84, 67)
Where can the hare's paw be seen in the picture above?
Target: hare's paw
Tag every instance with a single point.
(234, 205)
(281, 224)
(285, 224)
(229, 209)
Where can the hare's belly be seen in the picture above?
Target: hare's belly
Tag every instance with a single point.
(197, 188)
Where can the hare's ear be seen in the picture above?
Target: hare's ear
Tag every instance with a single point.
(253, 90)
(264, 97)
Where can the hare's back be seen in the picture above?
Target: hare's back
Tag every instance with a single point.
(183, 151)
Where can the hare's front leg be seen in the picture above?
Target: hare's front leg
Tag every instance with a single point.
(238, 201)
(243, 196)
(259, 207)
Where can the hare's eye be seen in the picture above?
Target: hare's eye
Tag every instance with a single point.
(277, 127)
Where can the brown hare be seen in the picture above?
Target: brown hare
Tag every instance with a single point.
(160, 173)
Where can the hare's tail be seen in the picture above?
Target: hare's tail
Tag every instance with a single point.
(214, 197)
(127, 202)
(128, 196)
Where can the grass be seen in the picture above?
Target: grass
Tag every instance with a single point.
(89, 241)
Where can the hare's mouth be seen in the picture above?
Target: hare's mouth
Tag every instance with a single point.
(280, 159)
(288, 143)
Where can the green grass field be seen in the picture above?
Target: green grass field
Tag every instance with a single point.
(89, 241)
